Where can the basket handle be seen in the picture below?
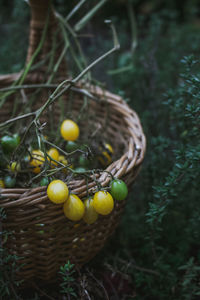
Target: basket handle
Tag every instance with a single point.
(40, 10)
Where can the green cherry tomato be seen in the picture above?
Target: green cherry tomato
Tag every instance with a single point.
(83, 161)
(84, 147)
(80, 170)
(9, 181)
(118, 189)
(16, 138)
(9, 143)
(44, 181)
(71, 146)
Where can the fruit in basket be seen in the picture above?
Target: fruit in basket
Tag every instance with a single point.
(118, 189)
(69, 130)
(71, 146)
(84, 161)
(80, 170)
(44, 181)
(62, 159)
(106, 152)
(2, 184)
(57, 191)
(10, 143)
(14, 166)
(37, 160)
(103, 202)
(9, 181)
(74, 208)
(90, 215)
(54, 154)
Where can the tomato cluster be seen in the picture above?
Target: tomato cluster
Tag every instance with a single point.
(52, 166)
(8, 144)
(36, 161)
(102, 202)
(72, 153)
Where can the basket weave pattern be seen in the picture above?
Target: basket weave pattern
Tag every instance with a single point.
(43, 249)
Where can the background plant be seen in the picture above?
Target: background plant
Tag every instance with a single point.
(8, 266)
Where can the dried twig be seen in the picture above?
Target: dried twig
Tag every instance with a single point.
(41, 291)
(99, 283)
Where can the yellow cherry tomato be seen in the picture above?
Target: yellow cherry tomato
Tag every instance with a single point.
(54, 154)
(74, 208)
(14, 167)
(103, 202)
(57, 191)
(2, 184)
(109, 148)
(105, 157)
(37, 160)
(64, 161)
(69, 130)
(90, 215)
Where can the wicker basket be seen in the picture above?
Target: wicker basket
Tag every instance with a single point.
(62, 240)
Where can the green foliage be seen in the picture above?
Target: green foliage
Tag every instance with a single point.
(66, 286)
(14, 18)
(189, 283)
(8, 267)
(164, 211)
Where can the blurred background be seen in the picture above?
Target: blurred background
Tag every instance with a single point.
(154, 254)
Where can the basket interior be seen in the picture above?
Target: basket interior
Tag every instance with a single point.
(96, 118)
